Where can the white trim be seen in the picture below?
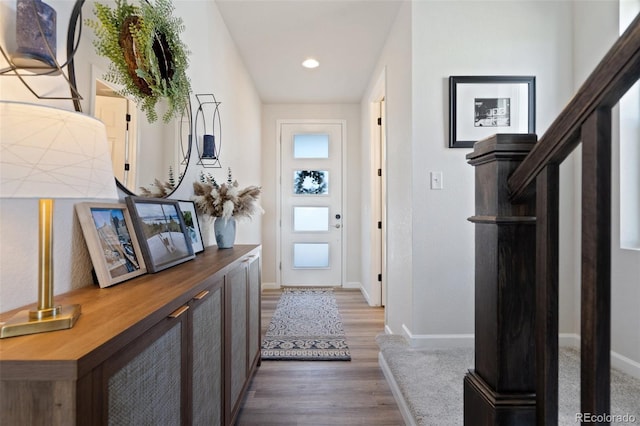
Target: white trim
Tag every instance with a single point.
(395, 390)
(270, 286)
(366, 296)
(569, 340)
(377, 156)
(438, 341)
(618, 361)
(626, 365)
(278, 183)
(352, 285)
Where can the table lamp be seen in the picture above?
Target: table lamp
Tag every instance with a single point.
(49, 153)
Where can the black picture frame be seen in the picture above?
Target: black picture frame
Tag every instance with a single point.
(190, 217)
(480, 106)
(161, 231)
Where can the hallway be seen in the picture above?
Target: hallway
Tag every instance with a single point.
(325, 392)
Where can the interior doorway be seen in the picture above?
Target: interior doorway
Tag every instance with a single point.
(376, 272)
(380, 197)
(118, 114)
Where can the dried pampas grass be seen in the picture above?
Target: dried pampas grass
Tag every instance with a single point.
(227, 200)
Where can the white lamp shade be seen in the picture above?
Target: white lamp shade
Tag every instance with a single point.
(52, 153)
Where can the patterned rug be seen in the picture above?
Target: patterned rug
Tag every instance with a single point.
(306, 326)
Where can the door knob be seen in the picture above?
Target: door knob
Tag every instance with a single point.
(337, 225)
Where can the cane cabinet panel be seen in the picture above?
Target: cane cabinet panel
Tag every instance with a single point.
(207, 380)
(243, 314)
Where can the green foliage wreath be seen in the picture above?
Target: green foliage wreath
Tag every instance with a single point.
(148, 59)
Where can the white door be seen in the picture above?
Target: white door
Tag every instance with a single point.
(114, 113)
(311, 210)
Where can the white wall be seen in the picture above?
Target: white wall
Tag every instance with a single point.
(215, 67)
(395, 62)
(270, 149)
(488, 38)
(596, 28)
(431, 257)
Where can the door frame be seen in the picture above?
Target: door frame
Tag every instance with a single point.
(378, 160)
(345, 221)
(97, 74)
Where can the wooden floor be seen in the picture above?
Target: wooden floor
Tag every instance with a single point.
(325, 392)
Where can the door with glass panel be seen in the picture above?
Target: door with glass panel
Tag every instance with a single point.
(311, 213)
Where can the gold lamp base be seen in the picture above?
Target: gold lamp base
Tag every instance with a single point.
(31, 322)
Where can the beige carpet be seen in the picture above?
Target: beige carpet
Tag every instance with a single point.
(431, 383)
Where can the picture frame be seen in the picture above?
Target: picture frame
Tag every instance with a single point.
(480, 106)
(112, 242)
(161, 232)
(190, 218)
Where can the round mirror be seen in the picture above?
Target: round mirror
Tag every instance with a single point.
(149, 159)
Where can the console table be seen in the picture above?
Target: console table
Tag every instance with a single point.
(176, 347)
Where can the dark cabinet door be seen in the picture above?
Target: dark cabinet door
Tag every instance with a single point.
(142, 384)
(236, 361)
(207, 349)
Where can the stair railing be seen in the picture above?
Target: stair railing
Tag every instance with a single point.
(520, 178)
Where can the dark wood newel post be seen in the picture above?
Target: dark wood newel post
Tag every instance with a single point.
(501, 388)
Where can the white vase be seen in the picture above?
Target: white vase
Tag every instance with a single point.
(225, 232)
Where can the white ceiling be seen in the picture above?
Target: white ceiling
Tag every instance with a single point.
(274, 37)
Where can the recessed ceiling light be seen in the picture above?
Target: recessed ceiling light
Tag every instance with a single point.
(310, 63)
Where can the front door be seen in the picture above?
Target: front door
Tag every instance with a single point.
(311, 209)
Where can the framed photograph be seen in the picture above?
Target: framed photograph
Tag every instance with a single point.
(482, 106)
(190, 218)
(161, 231)
(112, 243)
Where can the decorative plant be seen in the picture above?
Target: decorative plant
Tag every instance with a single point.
(160, 189)
(226, 200)
(148, 59)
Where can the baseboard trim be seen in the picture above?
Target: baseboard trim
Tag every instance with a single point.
(270, 286)
(352, 286)
(367, 296)
(569, 340)
(395, 390)
(618, 361)
(438, 341)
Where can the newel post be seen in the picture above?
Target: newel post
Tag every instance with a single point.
(501, 388)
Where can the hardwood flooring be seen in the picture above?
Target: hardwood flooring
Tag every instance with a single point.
(325, 392)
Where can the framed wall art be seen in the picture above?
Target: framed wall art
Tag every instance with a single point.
(111, 239)
(485, 105)
(188, 209)
(161, 231)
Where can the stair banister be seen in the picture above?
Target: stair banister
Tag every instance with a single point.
(534, 178)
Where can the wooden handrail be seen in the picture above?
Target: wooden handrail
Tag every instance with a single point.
(614, 75)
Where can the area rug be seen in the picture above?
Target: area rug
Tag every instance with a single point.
(306, 326)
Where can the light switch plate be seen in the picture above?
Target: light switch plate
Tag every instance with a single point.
(436, 180)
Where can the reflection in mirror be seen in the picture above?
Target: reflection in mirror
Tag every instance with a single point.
(119, 116)
(148, 158)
